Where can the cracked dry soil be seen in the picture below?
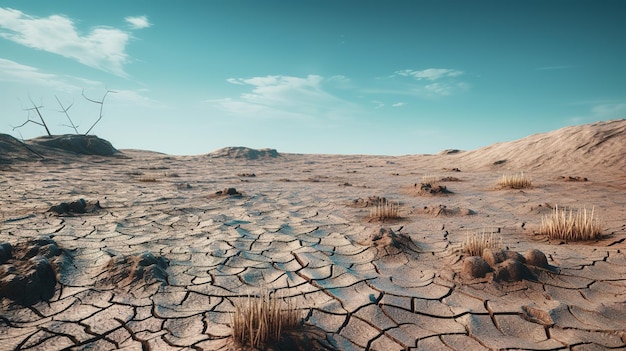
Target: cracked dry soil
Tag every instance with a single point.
(301, 239)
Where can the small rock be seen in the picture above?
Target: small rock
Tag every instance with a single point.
(6, 252)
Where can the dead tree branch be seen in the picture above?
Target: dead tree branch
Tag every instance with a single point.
(101, 103)
(64, 110)
(28, 120)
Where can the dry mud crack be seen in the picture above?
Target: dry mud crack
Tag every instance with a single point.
(303, 241)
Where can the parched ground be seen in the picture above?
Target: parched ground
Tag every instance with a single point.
(162, 263)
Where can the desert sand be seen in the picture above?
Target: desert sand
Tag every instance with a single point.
(163, 246)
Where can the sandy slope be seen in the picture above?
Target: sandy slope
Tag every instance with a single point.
(294, 229)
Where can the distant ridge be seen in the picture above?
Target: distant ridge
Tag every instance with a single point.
(584, 147)
(244, 152)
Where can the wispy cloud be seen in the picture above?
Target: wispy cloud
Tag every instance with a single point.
(13, 72)
(431, 82)
(140, 22)
(102, 47)
(398, 104)
(286, 97)
(32, 77)
(431, 74)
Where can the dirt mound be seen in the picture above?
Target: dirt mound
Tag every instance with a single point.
(12, 150)
(80, 144)
(586, 147)
(429, 189)
(123, 271)
(390, 243)
(443, 210)
(244, 152)
(29, 270)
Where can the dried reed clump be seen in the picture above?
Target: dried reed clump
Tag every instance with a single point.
(476, 242)
(515, 181)
(147, 179)
(261, 319)
(576, 225)
(385, 210)
(431, 178)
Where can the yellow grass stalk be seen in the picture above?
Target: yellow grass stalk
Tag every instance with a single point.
(515, 181)
(571, 226)
(385, 210)
(261, 319)
(476, 242)
(430, 179)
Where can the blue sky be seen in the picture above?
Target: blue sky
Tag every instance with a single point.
(340, 77)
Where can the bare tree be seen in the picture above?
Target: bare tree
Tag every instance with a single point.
(101, 103)
(64, 110)
(28, 120)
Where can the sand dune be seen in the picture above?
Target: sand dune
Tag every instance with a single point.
(586, 147)
(170, 250)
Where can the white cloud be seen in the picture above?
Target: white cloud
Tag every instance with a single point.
(431, 74)
(285, 97)
(398, 104)
(102, 47)
(140, 22)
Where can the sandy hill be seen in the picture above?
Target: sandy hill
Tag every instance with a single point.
(600, 145)
(12, 150)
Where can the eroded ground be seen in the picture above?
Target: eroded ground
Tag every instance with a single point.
(294, 230)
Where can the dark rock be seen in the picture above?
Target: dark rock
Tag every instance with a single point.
(6, 252)
(228, 192)
(76, 207)
(475, 267)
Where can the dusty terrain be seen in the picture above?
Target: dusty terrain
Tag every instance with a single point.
(159, 263)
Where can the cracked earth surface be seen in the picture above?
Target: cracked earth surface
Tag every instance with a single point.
(293, 231)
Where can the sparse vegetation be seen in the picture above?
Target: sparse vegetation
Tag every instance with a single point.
(515, 181)
(261, 319)
(385, 210)
(571, 225)
(476, 242)
(430, 178)
(147, 179)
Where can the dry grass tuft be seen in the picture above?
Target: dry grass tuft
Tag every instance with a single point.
(573, 226)
(431, 178)
(476, 242)
(147, 179)
(385, 210)
(515, 181)
(261, 319)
